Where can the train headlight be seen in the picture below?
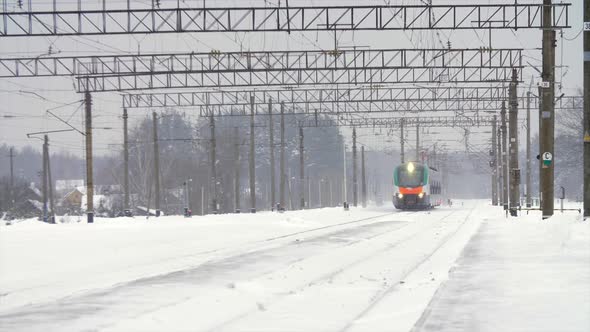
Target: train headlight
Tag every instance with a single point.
(400, 195)
(420, 195)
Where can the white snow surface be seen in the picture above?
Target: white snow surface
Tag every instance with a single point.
(464, 268)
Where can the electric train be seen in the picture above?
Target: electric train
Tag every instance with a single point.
(416, 186)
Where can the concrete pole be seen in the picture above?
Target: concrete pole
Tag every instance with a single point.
(344, 191)
(251, 161)
(273, 199)
(513, 146)
(89, 165)
(50, 186)
(547, 123)
(237, 170)
(156, 163)
(213, 161)
(301, 168)
(503, 131)
(44, 179)
(528, 149)
(354, 170)
(11, 156)
(586, 113)
(499, 159)
(363, 179)
(417, 141)
(402, 142)
(282, 160)
(202, 200)
(125, 159)
(320, 192)
(494, 163)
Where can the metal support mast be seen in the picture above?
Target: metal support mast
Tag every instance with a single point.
(363, 179)
(417, 141)
(273, 198)
(50, 186)
(44, 180)
(251, 160)
(528, 150)
(354, 170)
(499, 161)
(126, 161)
(156, 163)
(283, 179)
(301, 168)
(494, 163)
(503, 131)
(344, 191)
(586, 112)
(513, 147)
(213, 160)
(402, 141)
(237, 170)
(89, 170)
(547, 121)
(11, 156)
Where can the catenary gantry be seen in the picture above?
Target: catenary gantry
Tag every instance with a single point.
(134, 17)
(340, 100)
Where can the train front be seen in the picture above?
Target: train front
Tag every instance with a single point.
(410, 182)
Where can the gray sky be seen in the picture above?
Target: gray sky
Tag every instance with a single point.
(30, 98)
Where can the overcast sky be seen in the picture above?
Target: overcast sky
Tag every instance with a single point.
(30, 98)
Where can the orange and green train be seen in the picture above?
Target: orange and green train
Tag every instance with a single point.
(416, 186)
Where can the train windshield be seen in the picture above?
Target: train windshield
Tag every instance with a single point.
(410, 175)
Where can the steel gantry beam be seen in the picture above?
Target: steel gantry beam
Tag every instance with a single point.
(334, 100)
(324, 96)
(395, 122)
(54, 18)
(315, 77)
(277, 68)
(266, 61)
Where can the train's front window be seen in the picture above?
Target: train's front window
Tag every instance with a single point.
(411, 175)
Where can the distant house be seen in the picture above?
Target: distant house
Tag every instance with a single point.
(72, 201)
(66, 186)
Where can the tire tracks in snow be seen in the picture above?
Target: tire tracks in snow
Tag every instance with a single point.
(329, 276)
(379, 296)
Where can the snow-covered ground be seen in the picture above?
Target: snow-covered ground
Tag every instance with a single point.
(465, 268)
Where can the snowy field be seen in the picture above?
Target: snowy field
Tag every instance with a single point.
(464, 268)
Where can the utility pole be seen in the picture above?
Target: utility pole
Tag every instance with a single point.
(237, 170)
(402, 143)
(513, 146)
(89, 166)
(503, 131)
(354, 170)
(494, 163)
(252, 168)
(547, 123)
(586, 111)
(213, 160)
(344, 191)
(11, 156)
(499, 160)
(417, 141)
(363, 179)
(273, 199)
(528, 149)
(301, 168)
(282, 160)
(156, 164)
(126, 162)
(50, 184)
(44, 180)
